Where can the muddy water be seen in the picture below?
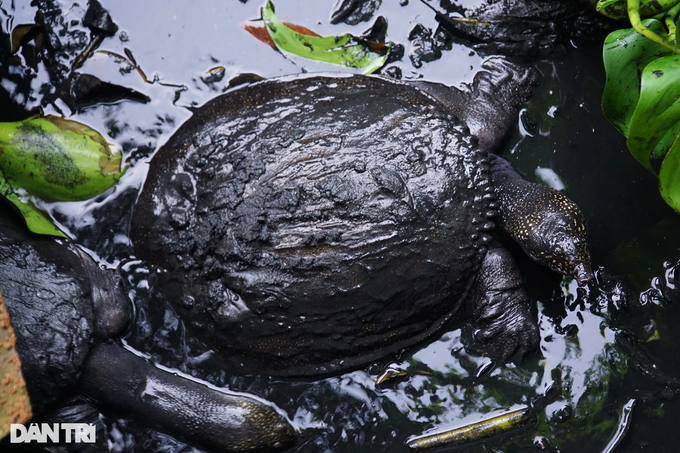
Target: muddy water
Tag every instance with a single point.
(600, 349)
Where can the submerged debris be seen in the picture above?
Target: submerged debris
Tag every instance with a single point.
(352, 12)
(623, 427)
(474, 431)
(423, 46)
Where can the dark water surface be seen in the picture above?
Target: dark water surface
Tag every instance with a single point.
(596, 353)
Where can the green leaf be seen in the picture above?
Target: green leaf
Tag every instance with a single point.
(649, 8)
(657, 111)
(666, 142)
(36, 220)
(669, 177)
(626, 53)
(618, 9)
(344, 50)
(615, 9)
(57, 159)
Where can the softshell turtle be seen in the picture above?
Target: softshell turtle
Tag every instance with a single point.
(521, 28)
(65, 311)
(307, 225)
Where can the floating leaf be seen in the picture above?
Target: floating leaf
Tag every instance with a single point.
(658, 109)
(36, 220)
(669, 176)
(626, 53)
(345, 50)
(57, 159)
(243, 79)
(390, 376)
(85, 90)
(258, 29)
(23, 34)
(15, 406)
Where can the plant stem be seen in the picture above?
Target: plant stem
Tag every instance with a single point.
(670, 18)
(634, 16)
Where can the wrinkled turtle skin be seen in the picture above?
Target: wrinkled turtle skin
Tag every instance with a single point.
(50, 287)
(65, 311)
(313, 224)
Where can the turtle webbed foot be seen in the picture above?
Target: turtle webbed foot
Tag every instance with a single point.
(509, 336)
(501, 313)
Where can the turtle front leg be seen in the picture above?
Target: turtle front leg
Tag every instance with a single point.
(500, 309)
(543, 221)
(488, 106)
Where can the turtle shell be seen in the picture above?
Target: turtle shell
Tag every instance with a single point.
(311, 224)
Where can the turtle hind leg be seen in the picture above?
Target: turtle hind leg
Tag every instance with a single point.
(189, 410)
(501, 313)
(543, 221)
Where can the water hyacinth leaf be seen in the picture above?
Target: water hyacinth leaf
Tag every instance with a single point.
(345, 50)
(663, 39)
(669, 177)
(36, 220)
(618, 9)
(615, 9)
(57, 159)
(666, 142)
(658, 109)
(626, 53)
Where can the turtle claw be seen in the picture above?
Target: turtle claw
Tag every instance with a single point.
(501, 311)
(509, 337)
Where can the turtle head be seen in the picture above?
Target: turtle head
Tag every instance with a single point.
(543, 221)
(557, 237)
(569, 252)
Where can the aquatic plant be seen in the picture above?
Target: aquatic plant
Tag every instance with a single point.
(642, 93)
(53, 159)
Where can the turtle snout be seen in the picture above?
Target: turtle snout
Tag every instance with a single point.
(566, 250)
(583, 273)
(572, 257)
